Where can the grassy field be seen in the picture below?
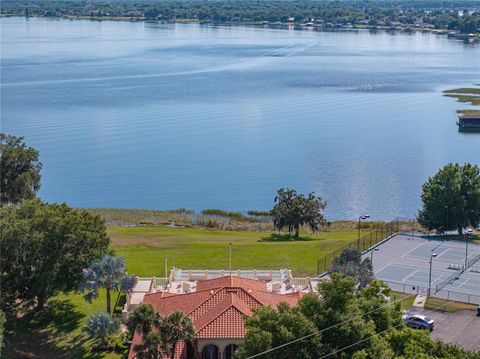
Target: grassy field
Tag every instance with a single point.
(55, 334)
(144, 249)
(405, 299)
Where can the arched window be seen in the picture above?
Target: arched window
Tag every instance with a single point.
(230, 351)
(210, 352)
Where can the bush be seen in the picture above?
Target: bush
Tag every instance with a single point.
(208, 222)
(259, 213)
(103, 330)
(232, 215)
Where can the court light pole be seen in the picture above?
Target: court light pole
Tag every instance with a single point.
(363, 216)
(448, 207)
(467, 238)
(430, 274)
(371, 254)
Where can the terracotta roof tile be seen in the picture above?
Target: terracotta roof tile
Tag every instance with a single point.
(219, 305)
(229, 324)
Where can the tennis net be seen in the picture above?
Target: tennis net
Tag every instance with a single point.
(472, 261)
(449, 280)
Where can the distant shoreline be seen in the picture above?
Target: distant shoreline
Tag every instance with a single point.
(265, 24)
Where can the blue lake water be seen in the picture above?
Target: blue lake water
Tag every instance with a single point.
(165, 116)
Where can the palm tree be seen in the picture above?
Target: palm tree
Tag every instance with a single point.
(151, 347)
(143, 319)
(174, 328)
(101, 328)
(109, 273)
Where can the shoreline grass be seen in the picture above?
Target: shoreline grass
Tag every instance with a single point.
(469, 112)
(464, 90)
(473, 100)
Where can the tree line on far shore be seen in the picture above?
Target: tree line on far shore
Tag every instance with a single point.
(451, 15)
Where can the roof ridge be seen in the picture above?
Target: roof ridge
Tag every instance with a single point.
(207, 299)
(238, 302)
(249, 293)
(212, 313)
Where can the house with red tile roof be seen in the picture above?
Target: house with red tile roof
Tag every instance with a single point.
(217, 309)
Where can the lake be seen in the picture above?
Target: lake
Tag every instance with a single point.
(162, 116)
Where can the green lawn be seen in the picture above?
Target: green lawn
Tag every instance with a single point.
(144, 249)
(447, 305)
(58, 333)
(405, 299)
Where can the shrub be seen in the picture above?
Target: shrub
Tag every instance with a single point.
(102, 329)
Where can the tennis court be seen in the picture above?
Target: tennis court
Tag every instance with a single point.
(404, 263)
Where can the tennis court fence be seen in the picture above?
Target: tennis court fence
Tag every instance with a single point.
(472, 261)
(447, 294)
(370, 239)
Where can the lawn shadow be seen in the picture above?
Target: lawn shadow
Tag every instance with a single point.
(278, 237)
(37, 335)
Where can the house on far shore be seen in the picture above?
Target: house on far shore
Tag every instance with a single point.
(217, 306)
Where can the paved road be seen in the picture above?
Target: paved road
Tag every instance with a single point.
(461, 328)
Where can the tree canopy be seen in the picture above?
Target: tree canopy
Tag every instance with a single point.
(442, 14)
(268, 328)
(350, 263)
(293, 210)
(342, 322)
(45, 247)
(160, 335)
(19, 169)
(451, 198)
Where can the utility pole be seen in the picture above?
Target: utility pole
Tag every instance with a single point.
(166, 267)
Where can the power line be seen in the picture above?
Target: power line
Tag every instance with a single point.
(364, 340)
(325, 329)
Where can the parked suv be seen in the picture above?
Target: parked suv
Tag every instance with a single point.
(418, 321)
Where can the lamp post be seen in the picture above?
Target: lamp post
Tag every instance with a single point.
(371, 254)
(430, 275)
(363, 216)
(466, 246)
(446, 225)
(230, 258)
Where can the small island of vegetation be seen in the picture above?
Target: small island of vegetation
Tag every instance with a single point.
(468, 118)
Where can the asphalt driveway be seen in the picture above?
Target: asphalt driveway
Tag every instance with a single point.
(461, 328)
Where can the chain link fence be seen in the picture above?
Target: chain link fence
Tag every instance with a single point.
(372, 238)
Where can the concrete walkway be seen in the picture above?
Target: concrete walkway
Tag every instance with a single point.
(419, 301)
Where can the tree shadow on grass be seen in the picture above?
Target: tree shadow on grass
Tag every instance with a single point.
(277, 237)
(37, 335)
